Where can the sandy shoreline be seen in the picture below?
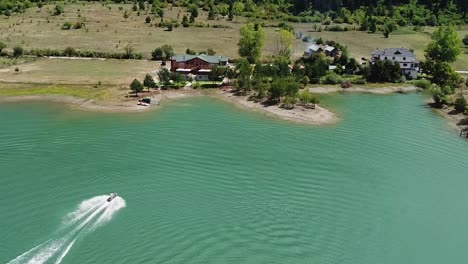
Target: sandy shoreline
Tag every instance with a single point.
(457, 120)
(357, 89)
(317, 116)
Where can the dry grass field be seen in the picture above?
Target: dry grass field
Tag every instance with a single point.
(107, 30)
(87, 72)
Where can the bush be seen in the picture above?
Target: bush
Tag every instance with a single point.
(331, 78)
(58, 10)
(18, 51)
(460, 104)
(423, 83)
(465, 40)
(358, 80)
(67, 25)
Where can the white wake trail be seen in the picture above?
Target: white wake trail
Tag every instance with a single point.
(65, 252)
(89, 214)
(55, 246)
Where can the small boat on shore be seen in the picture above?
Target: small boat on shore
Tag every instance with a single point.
(111, 197)
(145, 101)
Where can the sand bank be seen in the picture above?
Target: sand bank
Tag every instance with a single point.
(357, 89)
(317, 116)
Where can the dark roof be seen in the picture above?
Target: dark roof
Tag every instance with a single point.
(207, 58)
(394, 51)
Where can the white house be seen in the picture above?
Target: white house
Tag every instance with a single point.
(407, 60)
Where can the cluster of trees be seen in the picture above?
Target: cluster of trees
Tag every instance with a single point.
(210, 52)
(17, 50)
(162, 53)
(166, 78)
(440, 53)
(72, 52)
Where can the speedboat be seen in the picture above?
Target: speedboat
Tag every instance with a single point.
(111, 197)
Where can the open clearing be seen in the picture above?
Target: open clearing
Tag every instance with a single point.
(107, 30)
(88, 72)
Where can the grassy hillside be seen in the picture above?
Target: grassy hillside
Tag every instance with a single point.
(107, 30)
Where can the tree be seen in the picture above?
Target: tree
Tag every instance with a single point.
(18, 51)
(244, 73)
(465, 40)
(2, 46)
(190, 52)
(136, 86)
(389, 27)
(210, 52)
(168, 51)
(157, 54)
(445, 45)
(129, 49)
(58, 10)
(67, 25)
(307, 99)
(185, 21)
(383, 71)
(148, 82)
(217, 73)
(285, 43)
(251, 42)
(169, 26)
(281, 87)
(443, 50)
(69, 51)
(460, 104)
(177, 78)
(141, 5)
(125, 15)
(164, 76)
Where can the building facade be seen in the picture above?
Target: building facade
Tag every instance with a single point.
(196, 67)
(408, 64)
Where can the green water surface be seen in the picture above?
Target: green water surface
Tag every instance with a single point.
(205, 182)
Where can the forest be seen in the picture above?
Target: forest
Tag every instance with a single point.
(403, 12)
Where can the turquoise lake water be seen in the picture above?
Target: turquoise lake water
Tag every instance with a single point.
(204, 182)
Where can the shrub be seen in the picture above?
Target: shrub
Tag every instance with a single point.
(423, 83)
(148, 19)
(358, 80)
(460, 104)
(2, 46)
(331, 78)
(78, 25)
(465, 40)
(18, 51)
(58, 10)
(67, 25)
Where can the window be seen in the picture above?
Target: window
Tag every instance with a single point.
(404, 65)
(385, 57)
(393, 58)
(404, 58)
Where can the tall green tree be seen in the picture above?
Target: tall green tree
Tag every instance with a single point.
(164, 76)
(443, 50)
(148, 82)
(136, 86)
(18, 51)
(445, 45)
(285, 43)
(252, 38)
(244, 74)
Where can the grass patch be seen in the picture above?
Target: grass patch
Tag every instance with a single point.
(86, 92)
(87, 72)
